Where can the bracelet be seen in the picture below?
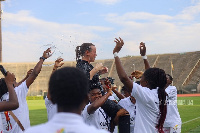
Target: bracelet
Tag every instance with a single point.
(42, 58)
(144, 57)
(115, 54)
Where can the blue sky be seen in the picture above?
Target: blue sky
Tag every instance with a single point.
(30, 26)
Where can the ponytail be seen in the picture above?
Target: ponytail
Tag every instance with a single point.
(157, 78)
(80, 50)
(162, 100)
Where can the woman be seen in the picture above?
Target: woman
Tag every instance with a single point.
(88, 53)
(93, 114)
(150, 95)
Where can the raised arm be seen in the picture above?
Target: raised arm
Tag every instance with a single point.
(27, 75)
(120, 70)
(12, 104)
(38, 67)
(119, 95)
(143, 54)
(98, 103)
(58, 63)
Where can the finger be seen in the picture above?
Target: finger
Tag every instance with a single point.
(61, 64)
(117, 39)
(121, 40)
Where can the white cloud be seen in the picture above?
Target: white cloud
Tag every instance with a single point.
(25, 35)
(190, 12)
(162, 33)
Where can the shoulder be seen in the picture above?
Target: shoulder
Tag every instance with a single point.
(123, 100)
(35, 129)
(92, 129)
(22, 85)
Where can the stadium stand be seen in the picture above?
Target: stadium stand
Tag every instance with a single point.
(186, 71)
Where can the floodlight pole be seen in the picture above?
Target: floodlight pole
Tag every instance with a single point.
(0, 33)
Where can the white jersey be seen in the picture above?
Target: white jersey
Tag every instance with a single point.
(22, 113)
(147, 109)
(64, 123)
(99, 118)
(131, 108)
(51, 108)
(1, 125)
(173, 118)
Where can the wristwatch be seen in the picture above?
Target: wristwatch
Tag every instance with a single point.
(42, 58)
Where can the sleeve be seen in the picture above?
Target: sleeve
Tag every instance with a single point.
(171, 91)
(141, 93)
(21, 91)
(121, 103)
(85, 114)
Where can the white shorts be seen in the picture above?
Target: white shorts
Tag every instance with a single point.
(175, 129)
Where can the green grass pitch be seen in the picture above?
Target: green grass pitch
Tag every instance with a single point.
(38, 114)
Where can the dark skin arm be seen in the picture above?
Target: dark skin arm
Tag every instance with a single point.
(27, 75)
(98, 103)
(143, 53)
(119, 95)
(120, 70)
(37, 68)
(58, 63)
(12, 104)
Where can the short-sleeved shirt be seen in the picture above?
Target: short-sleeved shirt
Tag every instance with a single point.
(64, 123)
(147, 109)
(131, 108)
(99, 118)
(172, 118)
(51, 108)
(22, 113)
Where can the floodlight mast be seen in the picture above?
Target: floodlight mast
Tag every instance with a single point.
(0, 33)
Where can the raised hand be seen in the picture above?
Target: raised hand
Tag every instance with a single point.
(142, 49)
(103, 70)
(29, 72)
(98, 67)
(119, 44)
(137, 74)
(47, 53)
(10, 78)
(58, 63)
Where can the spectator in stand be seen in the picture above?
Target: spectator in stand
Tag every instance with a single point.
(17, 121)
(150, 95)
(68, 88)
(52, 108)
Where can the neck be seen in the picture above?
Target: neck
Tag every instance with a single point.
(86, 59)
(76, 111)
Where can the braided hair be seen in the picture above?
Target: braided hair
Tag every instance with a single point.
(80, 50)
(157, 78)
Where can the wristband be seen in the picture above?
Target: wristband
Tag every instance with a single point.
(42, 58)
(144, 57)
(115, 54)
